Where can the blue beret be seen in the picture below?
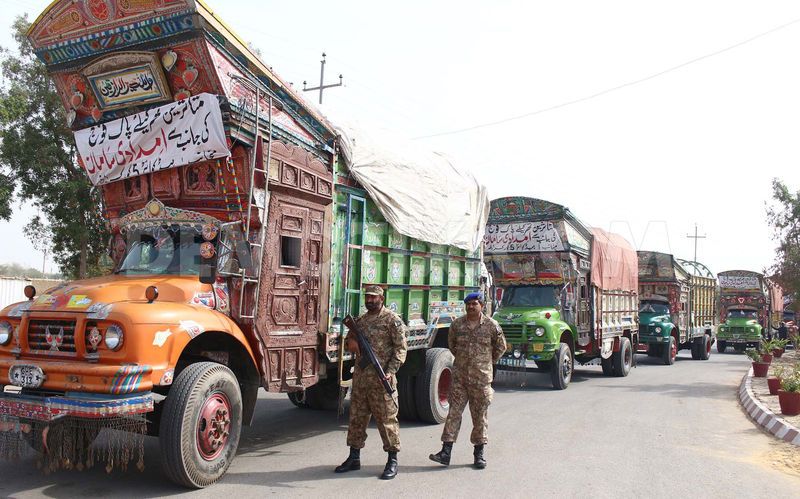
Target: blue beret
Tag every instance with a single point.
(474, 296)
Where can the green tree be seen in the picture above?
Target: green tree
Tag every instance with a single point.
(784, 217)
(38, 162)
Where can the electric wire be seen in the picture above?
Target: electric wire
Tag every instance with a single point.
(608, 90)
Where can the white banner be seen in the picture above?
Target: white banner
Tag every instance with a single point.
(738, 281)
(522, 237)
(176, 134)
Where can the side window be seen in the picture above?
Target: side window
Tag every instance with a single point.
(290, 251)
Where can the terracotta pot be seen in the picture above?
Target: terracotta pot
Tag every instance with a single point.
(774, 385)
(778, 352)
(760, 369)
(766, 358)
(790, 402)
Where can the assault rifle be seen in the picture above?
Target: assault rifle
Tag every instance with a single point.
(368, 354)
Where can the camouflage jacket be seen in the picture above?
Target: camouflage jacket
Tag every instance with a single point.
(386, 333)
(476, 349)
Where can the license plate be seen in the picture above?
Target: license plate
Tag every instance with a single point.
(26, 376)
(538, 347)
(510, 362)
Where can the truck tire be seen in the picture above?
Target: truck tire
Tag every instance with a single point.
(623, 359)
(433, 386)
(697, 346)
(562, 366)
(406, 397)
(721, 346)
(201, 425)
(705, 348)
(670, 352)
(607, 365)
(298, 398)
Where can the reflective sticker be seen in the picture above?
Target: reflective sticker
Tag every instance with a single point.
(79, 301)
(203, 298)
(207, 250)
(209, 232)
(166, 378)
(99, 310)
(192, 328)
(161, 337)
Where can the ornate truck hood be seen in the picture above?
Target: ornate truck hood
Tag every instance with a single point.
(525, 314)
(97, 295)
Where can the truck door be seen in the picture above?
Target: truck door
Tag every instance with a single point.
(290, 308)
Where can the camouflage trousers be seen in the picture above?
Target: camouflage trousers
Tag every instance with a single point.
(369, 399)
(479, 397)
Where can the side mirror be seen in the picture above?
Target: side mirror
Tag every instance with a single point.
(208, 273)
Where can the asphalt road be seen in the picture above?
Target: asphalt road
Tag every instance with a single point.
(664, 431)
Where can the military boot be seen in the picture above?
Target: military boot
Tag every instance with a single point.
(443, 456)
(480, 461)
(390, 471)
(352, 463)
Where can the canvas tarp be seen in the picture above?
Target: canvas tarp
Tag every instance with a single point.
(423, 194)
(615, 265)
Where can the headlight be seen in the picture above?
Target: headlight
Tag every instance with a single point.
(113, 337)
(658, 329)
(751, 330)
(722, 329)
(517, 354)
(6, 331)
(539, 331)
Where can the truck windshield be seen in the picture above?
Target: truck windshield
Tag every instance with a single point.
(162, 250)
(530, 296)
(742, 314)
(653, 307)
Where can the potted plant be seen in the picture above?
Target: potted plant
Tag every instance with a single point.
(765, 349)
(760, 368)
(778, 347)
(789, 395)
(774, 382)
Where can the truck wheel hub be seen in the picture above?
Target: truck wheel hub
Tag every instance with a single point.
(213, 426)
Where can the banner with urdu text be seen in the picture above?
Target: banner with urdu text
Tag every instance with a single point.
(176, 134)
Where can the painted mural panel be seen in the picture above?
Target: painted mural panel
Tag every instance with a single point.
(522, 237)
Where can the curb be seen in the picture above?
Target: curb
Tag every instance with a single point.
(762, 416)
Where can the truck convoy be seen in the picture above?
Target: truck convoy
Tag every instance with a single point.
(676, 308)
(567, 293)
(745, 309)
(244, 228)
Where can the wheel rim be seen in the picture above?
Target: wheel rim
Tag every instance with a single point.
(443, 387)
(566, 366)
(627, 356)
(213, 426)
(708, 345)
(673, 350)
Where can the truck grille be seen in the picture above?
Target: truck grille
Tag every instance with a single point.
(513, 333)
(51, 336)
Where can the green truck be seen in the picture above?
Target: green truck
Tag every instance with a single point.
(745, 309)
(675, 311)
(566, 293)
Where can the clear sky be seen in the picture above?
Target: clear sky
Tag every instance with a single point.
(642, 117)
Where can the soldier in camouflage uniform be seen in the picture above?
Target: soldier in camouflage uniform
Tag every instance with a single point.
(386, 334)
(477, 342)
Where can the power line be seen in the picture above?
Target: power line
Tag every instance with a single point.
(608, 90)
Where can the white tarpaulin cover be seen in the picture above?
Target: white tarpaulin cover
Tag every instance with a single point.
(421, 193)
(176, 134)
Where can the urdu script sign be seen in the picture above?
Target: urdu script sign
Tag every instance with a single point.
(169, 136)
(522, 237)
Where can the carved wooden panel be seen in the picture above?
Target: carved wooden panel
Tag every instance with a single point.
(285, 309)
(285, 282)
(135, 189)
(275, 365)
(309, 362)
(201, 179)
(292, 362)
(166, 184)
(292, 223)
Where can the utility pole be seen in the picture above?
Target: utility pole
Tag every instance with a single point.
(695, 237)
(322, 85)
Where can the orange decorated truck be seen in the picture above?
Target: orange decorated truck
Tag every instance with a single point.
(244, 227)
